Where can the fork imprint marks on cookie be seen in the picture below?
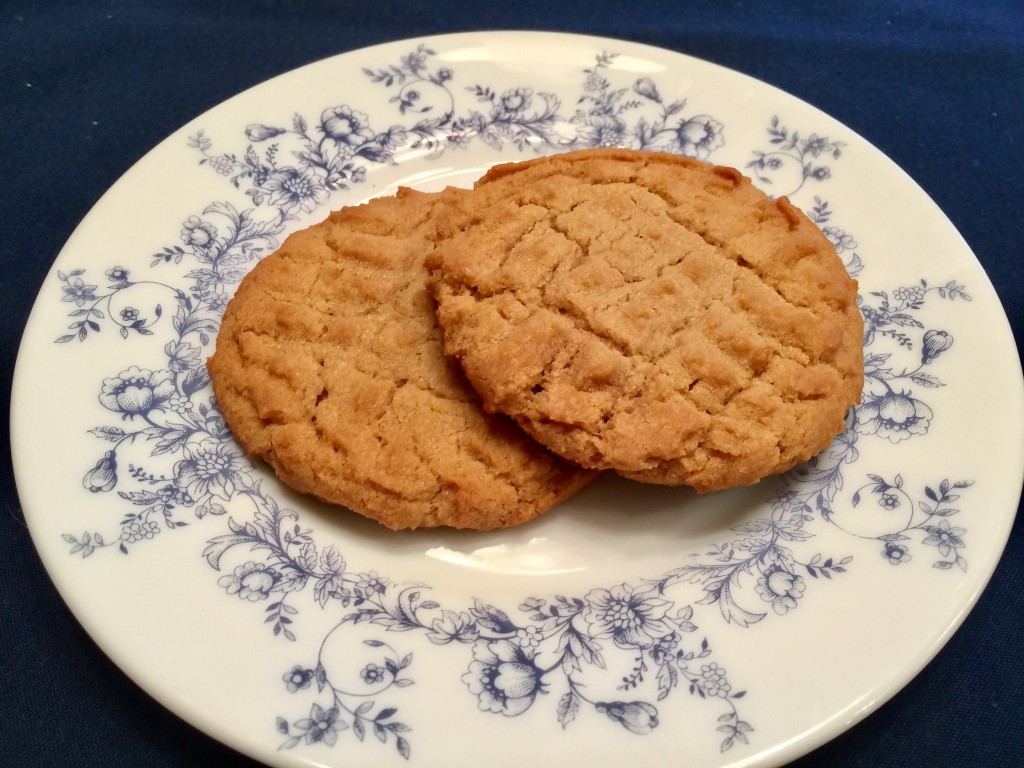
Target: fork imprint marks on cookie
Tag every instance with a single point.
(329, 366)
(650, 314)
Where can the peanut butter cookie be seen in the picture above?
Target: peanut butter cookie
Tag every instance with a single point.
(651, 314)
(329, 366)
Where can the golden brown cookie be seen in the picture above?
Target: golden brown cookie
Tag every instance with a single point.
(650, 314)
(329, 366)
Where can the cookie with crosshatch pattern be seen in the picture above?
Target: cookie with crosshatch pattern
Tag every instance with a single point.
(650, 314)
(328, 366)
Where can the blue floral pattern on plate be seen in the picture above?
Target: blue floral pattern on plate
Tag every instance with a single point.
(644, 631)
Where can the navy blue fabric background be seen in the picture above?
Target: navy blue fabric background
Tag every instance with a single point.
(86, 88)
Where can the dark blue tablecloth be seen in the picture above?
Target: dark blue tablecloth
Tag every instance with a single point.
(88, 87)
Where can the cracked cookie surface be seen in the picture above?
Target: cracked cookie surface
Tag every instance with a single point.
(650, 314)
(329, 367)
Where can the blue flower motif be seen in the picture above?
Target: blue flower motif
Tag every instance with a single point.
(291, 188)
(516, 100)
(77, 291)
(945, 537)
(602, 131)
(370, 584)
(816, 144)
(172, 494)
(250, 581)
(699, 136)
(889, 501)
(211, 468)
(137, 530)
(373, 674)
(182, 356)
(667, 645)
(896, 416)
(103, 476)
(934, 344)
(215, 297)
(646, 87)
(713, 680)
(635, 716)
(117, 275)
(222, 164)
(408, 100)
(633, 617)
(137, 391)
(179, 404)
(321, 725)
(258, 132)
(345, 125)
(197, 233)
(841, 240)
(532, 604)
(415, 61)
(298, 678)
(909, 294)
(781, 588)
(503, 678)
(529, 636)
(895, 553)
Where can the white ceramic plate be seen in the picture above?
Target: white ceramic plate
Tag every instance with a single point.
(630, 624)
